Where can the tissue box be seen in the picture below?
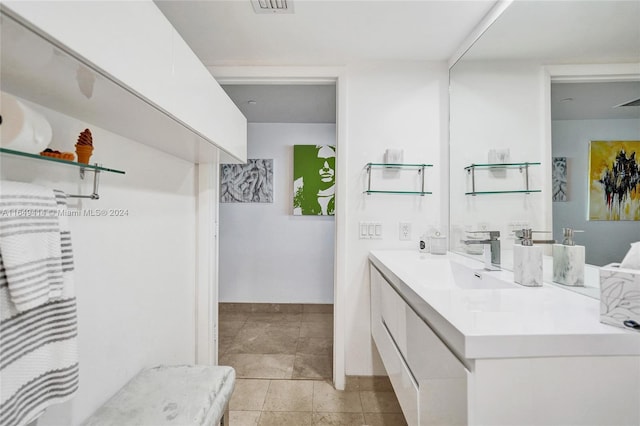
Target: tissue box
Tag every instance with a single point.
(619, 296)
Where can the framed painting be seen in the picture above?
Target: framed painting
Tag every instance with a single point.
(614, 180)
(559, 179)
(314, 179)
(247, 183)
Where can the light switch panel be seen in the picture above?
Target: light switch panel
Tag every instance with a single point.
(370, 230)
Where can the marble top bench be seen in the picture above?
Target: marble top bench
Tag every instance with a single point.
(183, 395)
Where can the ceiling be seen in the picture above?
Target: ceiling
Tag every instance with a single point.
(562, 32)
(336, 32)
(591, 101)
(285, 103)
(319, 32)
(324, 32)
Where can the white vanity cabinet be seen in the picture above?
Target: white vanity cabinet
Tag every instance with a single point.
(497, 355)
(429, 381)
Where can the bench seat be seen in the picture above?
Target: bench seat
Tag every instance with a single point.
(182, 395)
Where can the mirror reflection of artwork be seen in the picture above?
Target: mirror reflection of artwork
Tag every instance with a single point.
(247, 183)
(314, 178)
(559, 178)
(614, 180)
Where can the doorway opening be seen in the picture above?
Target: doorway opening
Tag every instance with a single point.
(276, 264)
(594, 138)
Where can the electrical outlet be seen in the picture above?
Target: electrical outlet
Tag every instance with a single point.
(405, 231)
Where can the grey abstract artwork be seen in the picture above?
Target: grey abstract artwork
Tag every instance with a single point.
(247, 183)
(559, 178)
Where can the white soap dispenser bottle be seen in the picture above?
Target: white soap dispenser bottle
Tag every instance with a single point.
(527, 259)
(568, 260)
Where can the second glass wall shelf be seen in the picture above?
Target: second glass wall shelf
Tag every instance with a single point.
(419, 167)
(523, 167)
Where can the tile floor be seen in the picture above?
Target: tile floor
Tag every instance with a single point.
(277, 341)
(282, 354)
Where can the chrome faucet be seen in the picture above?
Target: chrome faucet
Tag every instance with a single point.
(525, 236)
(491, 250)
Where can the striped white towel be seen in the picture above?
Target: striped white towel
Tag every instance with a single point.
(38, 354)
(30, 243)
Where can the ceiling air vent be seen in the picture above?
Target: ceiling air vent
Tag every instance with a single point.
(635, 102)
(272, 6)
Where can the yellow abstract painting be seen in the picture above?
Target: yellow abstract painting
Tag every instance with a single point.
(614, 180)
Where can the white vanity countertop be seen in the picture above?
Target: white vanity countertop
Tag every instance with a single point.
(501, 322)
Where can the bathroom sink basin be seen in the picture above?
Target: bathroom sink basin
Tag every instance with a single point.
(469, 278)
(449, 274)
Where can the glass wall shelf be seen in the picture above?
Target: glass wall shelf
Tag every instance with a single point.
(60, 161)
(523, 167)
(396, 166)
(95, 168)
(520, 191)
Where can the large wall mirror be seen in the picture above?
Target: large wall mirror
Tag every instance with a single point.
(541, 83)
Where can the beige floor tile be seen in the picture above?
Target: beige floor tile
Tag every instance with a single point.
(329, 400)
(384, 419)
(338, 419)
(312, 329)
(244, 418)
(351, 383)
(312, 367)
(276, 307)
(267, 341)
(374, 383)
(289, 395)
(234, 307)
(315, 346)
(233, 316)
(317, 317)
(269, 418)
(274, 317)
(261, 328)
(379, 402)
(249, 394)
(320, 308)
(260, 366)
(230, 328)
(224, 343)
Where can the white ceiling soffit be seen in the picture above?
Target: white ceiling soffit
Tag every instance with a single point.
(593, 101)
(563, 32)
(324, 32)
(285, 103)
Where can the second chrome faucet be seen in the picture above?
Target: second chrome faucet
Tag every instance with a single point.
(491, 248)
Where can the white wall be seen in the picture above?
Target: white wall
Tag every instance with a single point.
(135, 275)
(605, 241)
(498, 105)
(380, 105)
(389, 105)
(266, 254)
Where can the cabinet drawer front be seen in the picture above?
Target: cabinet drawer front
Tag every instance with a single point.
(404, 386)
(428, 379)
(441, 377)
(393, 310)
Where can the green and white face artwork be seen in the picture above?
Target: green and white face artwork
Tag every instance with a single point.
(314, 178)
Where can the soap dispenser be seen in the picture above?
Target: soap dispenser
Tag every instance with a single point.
(527, 259)
(568, 260)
